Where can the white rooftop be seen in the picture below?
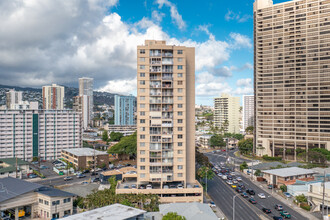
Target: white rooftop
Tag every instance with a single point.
(289, 171)
(111, 212)
(84, 151)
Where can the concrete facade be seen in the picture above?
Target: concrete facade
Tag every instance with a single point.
(86, 92)
(248, 111)
(291, 76)
(82, 104)
(32, 133)
(53, 97)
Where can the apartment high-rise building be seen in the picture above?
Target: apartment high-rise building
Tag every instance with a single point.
(53, 97)
(82, 104)
(31, 133)
(86, 88)
(125, 108)
(248, 111)
(226, 113)
(166, 122)
(13, 97)
(291, 76)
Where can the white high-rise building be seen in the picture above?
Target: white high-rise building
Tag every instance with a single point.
(31, 133)
(86, 88)
(13, 97)
(81, 104)
(248, 111)
(53, 97)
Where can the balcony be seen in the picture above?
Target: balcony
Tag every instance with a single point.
(167, 54)
(167, 94)
(166, 85)
(167, 70)
(167, 125)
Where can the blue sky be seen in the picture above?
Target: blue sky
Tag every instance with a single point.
(98, 38)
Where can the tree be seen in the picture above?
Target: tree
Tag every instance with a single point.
(202, 160)
(217, 141)
(257, 172)
(205, 172)
(283, 188)
(301, 198)
(126, 145)
(245, 146)
(243, 166)
(115, 136)
(238, 136)
(173, 216)
(249, 130)
(105, 136)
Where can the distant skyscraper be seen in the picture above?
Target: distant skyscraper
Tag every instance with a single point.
(248, 111)
(13, 97)
(53, 97)
(291, 76)
(125, 107)
(227, 110)
(82, 104)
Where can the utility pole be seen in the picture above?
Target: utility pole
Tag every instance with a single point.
(16, 167)
(323, 195)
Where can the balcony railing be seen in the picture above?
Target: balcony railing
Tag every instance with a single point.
(167, 125)
(167, 93)
(155, 62)
(167, 70)
(167, 54)
(167, 86)
(167, 78)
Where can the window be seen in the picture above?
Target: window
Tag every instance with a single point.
(142, 160)
(66, 200)
(41, 201)
(142, 175)
(180, 121)
(180, 97)
(142, 90)
(142, 67)
(66, 212)
(142, 152)
(180, 167)
(57, 202)
(142, 136)
(142, 51)
(180, 75)
(180, 144)
(46, 202)
(142, 59)
(142, 128)
(180, 159)
(142, 98)
(179, 105)
(180, 83)
(142, 82)
(142, 144)
(180, 90)
(142, 105)
(180, 136)
(142, 167)
(180, 129)
(179, 59)
(180, 174)
(180, 67)
(180, 51)
(180, 113)
(142, 121)
(142, 113)
(142, 74)
(180, 151)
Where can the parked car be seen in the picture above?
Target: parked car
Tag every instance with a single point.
(133, 186)
(94, 180)
(285, 214)
(35, 162)
(262, 196)
(67, 178)
(279, 207)
(212, 204)
(252, 200)
(31, 176)
(141, 187)
(245, 195)
(288, 195)
(165, 187)
(180, 186)
(84, 183)
(196, 186)
(81, 176)
(94, 174)
(265, 210)
(126, 186)
(149, 186)
(85, 171)
(270, 186)
(250, 191)
(43, 167)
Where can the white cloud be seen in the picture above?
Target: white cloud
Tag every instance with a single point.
(124, 87)
(244, 82)
(157, 16)
(240, 41)
(176, 17)
(237, 16)
(244, 87)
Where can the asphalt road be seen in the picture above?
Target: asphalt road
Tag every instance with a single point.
(60, 180)
(222, 194)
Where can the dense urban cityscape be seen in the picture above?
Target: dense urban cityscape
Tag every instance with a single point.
(161, 145)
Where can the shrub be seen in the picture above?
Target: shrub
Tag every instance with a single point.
(283, 188)
(305, 206)
(268, 158)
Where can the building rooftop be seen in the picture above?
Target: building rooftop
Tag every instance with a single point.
(52, 192)
(289, 171)
(85, 152)
(12, 164)
(192, 211)
(111, 212)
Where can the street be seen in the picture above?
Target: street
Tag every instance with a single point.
(222, 194)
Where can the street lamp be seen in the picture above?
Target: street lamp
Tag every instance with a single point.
(234, 206)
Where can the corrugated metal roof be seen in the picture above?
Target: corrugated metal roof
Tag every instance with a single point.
(289, 171)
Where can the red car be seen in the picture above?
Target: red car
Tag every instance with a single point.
(223, 150)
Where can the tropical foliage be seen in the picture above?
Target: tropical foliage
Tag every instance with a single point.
(217, 141)
(249, 130)
(205, 172)
(236, 136)
(105, 136)
(173, 216)
(115, 136)
(243, 166)
(245, 146)
(126, 145)
(202, 160)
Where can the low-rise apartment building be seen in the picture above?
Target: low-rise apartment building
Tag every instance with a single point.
(38, 133)
(315, 194)
(83, 158)
(14, 167)
(30, 200)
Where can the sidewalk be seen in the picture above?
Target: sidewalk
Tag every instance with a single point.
(280, 198)
(216, 209)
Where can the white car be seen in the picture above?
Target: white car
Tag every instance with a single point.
(239, 179)
(229, 182)
(219, 174)
(149, 186)
(262, 196)
(224, 177)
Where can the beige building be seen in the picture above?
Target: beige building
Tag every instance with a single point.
(82, 104)
(292, 76)
(227, 110)
(315, 194)
(86, 96)
(52, 97)
(166, 123)
(23, 199)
